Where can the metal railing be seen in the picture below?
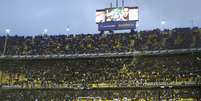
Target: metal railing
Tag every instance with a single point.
(108, 85)
(102, 55)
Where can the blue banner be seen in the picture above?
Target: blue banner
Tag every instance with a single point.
(116, 25)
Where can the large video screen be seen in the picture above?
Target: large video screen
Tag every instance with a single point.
(117, 14)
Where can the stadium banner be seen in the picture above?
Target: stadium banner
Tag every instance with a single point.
(117, 25)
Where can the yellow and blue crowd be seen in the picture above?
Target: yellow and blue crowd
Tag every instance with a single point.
(82, 74)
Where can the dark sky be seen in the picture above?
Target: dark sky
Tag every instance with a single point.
(31, 17)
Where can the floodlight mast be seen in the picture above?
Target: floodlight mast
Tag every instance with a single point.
(122, 3)
(192, 22)
(111, 5)
(117, 3)
(7, 31)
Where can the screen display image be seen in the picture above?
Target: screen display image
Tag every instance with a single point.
(100, 16)
(133, 14)
(117, 14)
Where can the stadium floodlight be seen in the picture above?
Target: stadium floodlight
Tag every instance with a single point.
(7, 31)
(45, 31)
(137, 25)
(163, 22)
(68, 29)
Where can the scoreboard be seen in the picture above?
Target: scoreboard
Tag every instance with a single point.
(117, 18)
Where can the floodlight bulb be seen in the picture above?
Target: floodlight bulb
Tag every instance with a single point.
(137, 25)
(163, 22)
(45, 30)
(67, 29)
(7, 30)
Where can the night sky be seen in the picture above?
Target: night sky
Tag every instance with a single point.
(31, 17)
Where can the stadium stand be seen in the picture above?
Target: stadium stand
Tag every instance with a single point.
(178, 75)
(178, 38)
(115, 72)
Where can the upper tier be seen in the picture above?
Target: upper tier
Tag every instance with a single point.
(178, 38)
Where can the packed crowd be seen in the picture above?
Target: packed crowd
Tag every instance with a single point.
(101, 95)
(138, 71)
(177, 38)
(97, 73)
